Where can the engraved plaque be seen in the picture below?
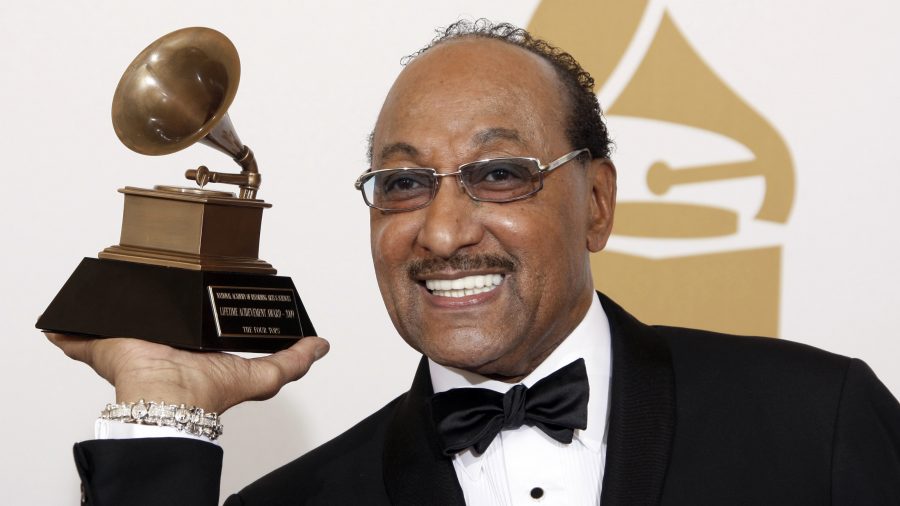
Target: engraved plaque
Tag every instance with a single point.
(255, 312)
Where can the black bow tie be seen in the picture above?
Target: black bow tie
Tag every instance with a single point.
(472, 417)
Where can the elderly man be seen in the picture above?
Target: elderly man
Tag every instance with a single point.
(490, 187)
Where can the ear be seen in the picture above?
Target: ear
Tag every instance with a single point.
(602, 178)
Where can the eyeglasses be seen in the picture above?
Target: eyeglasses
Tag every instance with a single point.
(489, 180)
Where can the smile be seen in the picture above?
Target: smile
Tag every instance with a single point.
(461, 287)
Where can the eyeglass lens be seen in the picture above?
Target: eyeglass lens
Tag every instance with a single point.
(491, 180)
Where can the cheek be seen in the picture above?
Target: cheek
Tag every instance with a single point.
(392, 241)
(551, 238)
(380, 242)
(525, 233)
(509, 224)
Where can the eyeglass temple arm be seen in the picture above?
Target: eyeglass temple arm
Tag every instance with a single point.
(565, 159)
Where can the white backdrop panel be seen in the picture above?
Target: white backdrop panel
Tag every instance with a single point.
(314, 75)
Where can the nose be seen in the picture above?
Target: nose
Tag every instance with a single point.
(451, 221)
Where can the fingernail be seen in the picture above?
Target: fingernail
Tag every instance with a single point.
(321, 350)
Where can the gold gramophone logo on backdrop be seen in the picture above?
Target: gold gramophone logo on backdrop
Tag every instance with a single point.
(714, 278)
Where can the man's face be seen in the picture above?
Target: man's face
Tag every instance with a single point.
(462, 101)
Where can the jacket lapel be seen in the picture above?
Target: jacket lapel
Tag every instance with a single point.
(415, 471)
(642, 412)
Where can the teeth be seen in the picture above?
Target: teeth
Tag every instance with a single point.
(460, 287)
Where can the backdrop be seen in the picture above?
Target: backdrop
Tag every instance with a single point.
(756, 149)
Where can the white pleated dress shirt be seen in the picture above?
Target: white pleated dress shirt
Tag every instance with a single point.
(525, 466)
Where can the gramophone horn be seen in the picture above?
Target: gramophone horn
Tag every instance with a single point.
(177, 92)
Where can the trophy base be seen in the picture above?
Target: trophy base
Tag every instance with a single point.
(186, 260)
(197, 310)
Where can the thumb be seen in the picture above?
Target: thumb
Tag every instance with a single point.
(272, 372)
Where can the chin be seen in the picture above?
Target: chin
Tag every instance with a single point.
(485, 358)
(462, 353)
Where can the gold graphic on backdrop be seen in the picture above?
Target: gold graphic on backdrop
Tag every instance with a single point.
(735, 291)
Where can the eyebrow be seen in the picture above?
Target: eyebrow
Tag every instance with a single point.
(480, 139)
(490, 135)
(398, 147)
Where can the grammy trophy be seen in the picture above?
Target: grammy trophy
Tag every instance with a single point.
(186, 271)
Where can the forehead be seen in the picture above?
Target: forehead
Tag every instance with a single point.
(445, 101)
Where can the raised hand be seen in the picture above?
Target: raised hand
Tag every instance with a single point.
(209, 380)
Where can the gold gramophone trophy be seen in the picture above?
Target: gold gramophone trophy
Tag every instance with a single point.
(186, 270)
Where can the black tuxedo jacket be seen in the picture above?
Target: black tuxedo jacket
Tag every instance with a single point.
(696, 418)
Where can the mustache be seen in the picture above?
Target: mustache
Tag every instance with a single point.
(426, 266)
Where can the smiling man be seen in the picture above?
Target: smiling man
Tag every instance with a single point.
(489, 188)
(468, 100)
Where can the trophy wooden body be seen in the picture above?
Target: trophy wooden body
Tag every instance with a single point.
(186, 271)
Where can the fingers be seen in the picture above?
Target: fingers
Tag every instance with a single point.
(276, 370)
(78, 348)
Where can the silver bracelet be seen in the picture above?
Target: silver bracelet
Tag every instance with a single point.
(190, 419)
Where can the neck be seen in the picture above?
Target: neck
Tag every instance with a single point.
(522, 368)
(536, 361)
(589, 340)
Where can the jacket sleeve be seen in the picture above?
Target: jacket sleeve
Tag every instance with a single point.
(866, 458)
(149, 472)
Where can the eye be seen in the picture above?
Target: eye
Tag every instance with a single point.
(500, 174)
(403, 182)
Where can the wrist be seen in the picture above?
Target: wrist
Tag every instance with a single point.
(190, 419)
(172, 394)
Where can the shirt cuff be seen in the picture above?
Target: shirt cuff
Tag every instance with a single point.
(111, 429)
